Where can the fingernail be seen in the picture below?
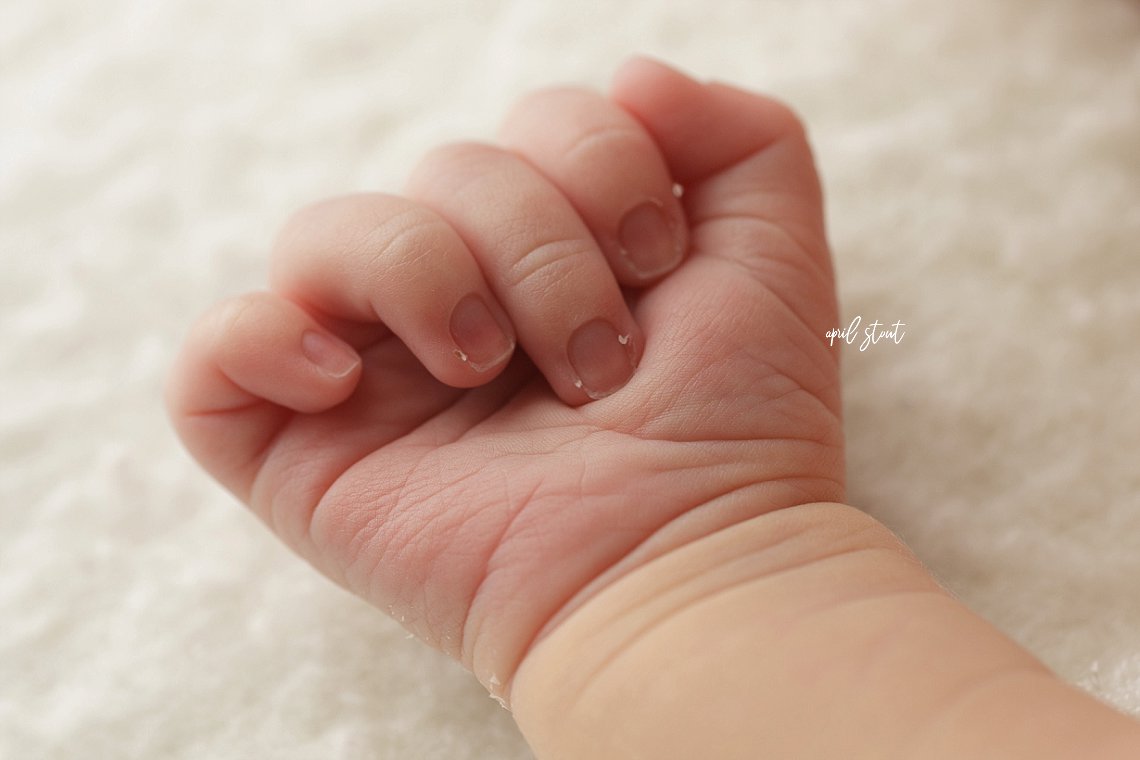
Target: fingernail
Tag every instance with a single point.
(648, 241)
(333, 357)
(480, 340)
(601, 357)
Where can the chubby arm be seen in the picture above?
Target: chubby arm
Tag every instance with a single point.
(811, 632)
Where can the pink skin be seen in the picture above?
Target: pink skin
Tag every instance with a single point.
(480, 502)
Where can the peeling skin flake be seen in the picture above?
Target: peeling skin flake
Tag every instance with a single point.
(495, 683)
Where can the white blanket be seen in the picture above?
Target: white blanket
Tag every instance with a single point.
(982, 166)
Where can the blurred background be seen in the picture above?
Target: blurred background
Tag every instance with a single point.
(982, 167)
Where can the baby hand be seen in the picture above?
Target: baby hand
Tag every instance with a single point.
(481, 403)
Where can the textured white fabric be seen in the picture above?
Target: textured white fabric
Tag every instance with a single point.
(982, 166)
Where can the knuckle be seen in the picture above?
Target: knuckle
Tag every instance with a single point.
(354, 233)
(609, 139)
(233, 320)
(545, 263)
(314, 232)
(450, 159)
(540, 101)
(584, 121)
(300, 224)
(402, 239)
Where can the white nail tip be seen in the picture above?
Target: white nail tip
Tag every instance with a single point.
(463, 357)
(653, 274)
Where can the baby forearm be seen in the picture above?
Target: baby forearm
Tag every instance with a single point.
(805, 633)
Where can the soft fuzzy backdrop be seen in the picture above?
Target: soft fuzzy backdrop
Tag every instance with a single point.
(982, 165)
